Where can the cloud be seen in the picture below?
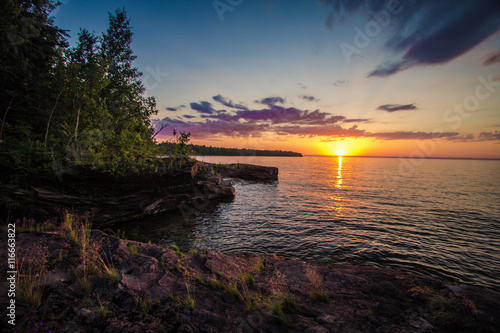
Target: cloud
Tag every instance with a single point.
(282, 120)
(396, 107)
(309, 98)
(340, 83)
(280, 115)
(410, 135)
(228, 103)
(489, 136)
(358, 120)
(271, 101)
(492, 58)
(177, 108)
(203, 107)
(209, 128)
(424, 32)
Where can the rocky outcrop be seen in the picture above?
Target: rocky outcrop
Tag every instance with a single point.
(162, 290)
(247, 172)
(169, 185)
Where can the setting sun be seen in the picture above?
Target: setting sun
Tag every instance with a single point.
(340, 152)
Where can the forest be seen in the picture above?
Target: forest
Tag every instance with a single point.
(61, 105)
(167, 148)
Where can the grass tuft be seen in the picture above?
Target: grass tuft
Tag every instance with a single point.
(31, 268)
(214, 283)
(133, 250)
(317, 290)
(232, 289)
(146, 304)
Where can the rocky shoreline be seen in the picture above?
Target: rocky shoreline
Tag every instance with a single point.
(158, 289)
(170, 185)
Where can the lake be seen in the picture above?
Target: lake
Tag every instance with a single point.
(439, 217)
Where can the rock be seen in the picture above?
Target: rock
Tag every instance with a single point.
(247, 172)
(420, 324)
(199, 295)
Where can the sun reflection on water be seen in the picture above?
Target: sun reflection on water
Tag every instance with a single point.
(337, 198)
(339, 174)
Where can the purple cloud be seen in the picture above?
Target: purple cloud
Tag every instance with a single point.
(271, 101)
(203, 107)
(396, 107)
(221, 99)
(309, 98)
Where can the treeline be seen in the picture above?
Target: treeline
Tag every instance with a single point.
(62, 105)
(168, 148)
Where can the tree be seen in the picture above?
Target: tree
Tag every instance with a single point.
(182, 149)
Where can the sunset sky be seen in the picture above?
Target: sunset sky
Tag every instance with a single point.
(378, 78)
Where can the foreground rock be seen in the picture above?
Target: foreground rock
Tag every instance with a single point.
(170, 185)
(161, 290)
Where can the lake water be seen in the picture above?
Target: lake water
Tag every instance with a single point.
(438, 217)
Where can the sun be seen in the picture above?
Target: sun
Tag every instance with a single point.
(340, 152)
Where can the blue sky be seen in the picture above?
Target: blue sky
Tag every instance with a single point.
(371, 77)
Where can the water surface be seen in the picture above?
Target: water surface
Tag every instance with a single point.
(441, 217)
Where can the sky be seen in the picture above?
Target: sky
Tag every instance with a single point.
(404, 78)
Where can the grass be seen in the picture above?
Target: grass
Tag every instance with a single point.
(275, 308)
(34, 225)
(108, 270)
(259, 267)
(214, 283)
(189, 299)
(200, 279)
(133, 250)
(317, 290)
(193, 252)
(288, 302)
(248, 278)
(177, 250)
(85, 285)
(451, 311)
(146, 304)
(232, 289)
(31, 268)
(179, 266)
(101, 310)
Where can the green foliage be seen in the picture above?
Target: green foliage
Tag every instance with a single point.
(62, 106)
(214, 283)
(133, 250)
(177, 250)
(146, 304)
(219, 151)
(248, 278)
(277, 313)
(200, 279)
(232, 289)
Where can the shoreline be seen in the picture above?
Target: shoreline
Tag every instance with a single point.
(160, 288)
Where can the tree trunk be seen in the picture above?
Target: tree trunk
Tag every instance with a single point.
(50, 117)
(5, 116)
